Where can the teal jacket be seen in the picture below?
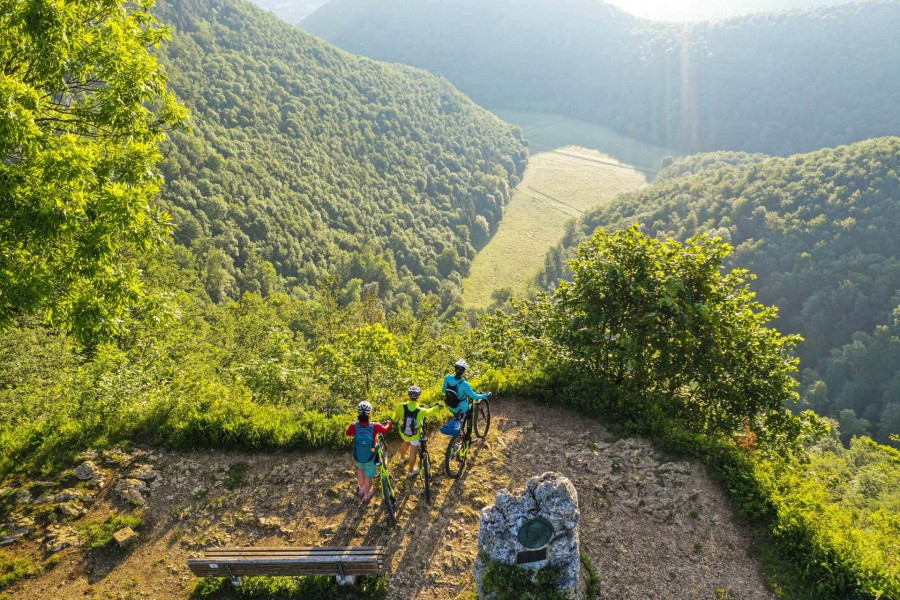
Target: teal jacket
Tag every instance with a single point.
(464, 391)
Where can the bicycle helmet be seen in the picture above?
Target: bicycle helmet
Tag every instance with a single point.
(364, 408)
(414, 392)
(461, 366)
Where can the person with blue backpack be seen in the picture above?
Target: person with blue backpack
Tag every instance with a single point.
(364, 434)
(458, 392)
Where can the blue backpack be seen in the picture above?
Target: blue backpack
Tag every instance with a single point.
(364, 443)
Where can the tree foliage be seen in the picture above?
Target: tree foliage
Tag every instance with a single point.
(83, 107)
(777, 83)
(309, 161)
(664, 323)
(817, 229)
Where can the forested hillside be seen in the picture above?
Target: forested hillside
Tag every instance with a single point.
(316, 162)
(819, 231)
(778, 83)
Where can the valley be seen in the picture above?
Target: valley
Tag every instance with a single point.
(223, 238)
(574, 167)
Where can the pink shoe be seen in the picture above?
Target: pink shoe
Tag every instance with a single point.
(360, 492)
(368, 497)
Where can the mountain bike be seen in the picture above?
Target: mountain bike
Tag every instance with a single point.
(458, 448)
(425, 459)
(389, 500)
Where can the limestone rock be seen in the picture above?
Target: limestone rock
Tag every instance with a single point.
(270, 522)
(143, 472)
(125, 537)
(70, 509)
(60, 537)
(14, 536)
(550, 496)
(87, 471)
(131, 490)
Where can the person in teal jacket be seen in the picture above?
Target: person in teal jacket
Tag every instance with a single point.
(458, 392)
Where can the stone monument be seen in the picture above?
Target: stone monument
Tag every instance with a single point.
(535, 530)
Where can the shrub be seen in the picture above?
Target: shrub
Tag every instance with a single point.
(290, 588)
(510, 582)
(13, 569)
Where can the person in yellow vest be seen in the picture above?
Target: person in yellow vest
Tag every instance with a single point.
(409, 416)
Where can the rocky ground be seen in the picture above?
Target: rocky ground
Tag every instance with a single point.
(654, 527)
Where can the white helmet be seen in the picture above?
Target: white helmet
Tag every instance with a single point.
(364, 407)
(414, 392)
(461, 365)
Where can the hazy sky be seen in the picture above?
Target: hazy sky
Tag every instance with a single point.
(698, 10)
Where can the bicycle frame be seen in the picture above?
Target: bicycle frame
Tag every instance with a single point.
(381, 464)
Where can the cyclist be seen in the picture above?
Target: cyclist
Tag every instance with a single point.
(458, 392)
(410, 416)
(364, 434)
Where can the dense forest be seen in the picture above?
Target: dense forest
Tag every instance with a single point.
(777, 83)
(312, 161)
(819, 232)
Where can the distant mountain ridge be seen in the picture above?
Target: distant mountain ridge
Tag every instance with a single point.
(319, 162)
(292, 11)
(662, 10)
(777, 83)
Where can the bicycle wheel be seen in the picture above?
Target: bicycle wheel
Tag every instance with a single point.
(454, 459)
(389, 501)
(426, 475)
(483, 419)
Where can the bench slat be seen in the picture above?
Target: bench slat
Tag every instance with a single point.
(215, 549)
(285, 569)
(281, 560)
(286, 561)
(291, 570)
(288, 554)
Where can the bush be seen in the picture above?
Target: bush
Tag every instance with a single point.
(510, 582)
(13, 569)
(290, 588)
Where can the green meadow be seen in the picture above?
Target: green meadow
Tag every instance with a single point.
(574, 166)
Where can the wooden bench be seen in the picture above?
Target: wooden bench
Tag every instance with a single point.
(236, 563)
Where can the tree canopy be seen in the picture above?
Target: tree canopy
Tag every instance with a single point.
(83, 107)
(818, 231)
(316, 162)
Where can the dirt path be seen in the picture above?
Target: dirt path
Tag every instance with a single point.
(654, 528)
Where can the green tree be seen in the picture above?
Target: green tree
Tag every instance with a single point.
(83, 105)
(852, 426)
(662, 321)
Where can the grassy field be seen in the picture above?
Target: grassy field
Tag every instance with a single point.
(546, 132)
(574, 166)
